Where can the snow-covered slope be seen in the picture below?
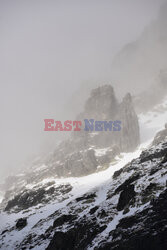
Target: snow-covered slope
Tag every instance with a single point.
(92, 205)
(98, 203)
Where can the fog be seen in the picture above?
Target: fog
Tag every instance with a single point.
(49, 52)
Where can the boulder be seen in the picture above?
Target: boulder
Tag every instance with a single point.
(125, 197)
(21, 223)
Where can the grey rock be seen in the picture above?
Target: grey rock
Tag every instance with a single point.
(77, 156)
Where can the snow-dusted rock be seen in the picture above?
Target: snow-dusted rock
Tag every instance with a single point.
(128, 211)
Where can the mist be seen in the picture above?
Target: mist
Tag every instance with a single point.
(50, 52)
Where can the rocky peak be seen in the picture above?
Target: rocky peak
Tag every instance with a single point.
(130, 136)
(102, 103)
(87, 152)
(127, 99)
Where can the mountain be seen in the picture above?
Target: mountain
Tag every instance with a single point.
(126, 211)
(121, 207)
(143, 62)
(101, 190)
(131, 213)
(86, 152)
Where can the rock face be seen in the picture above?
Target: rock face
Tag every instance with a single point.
(80, 154)
(129, 233)
(129, 137)
(145, 230)
(142, 229)
(26, 199)
(85, 152)
(126, 212)
(102, 103)
(125, 197)
(73, 239)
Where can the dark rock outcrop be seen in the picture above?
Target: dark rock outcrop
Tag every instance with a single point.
(64, 219)
(143, 231)
(21, 223)
(79, 237)
(30, 198)
(127, 182)
(86, 197)
(125, 197)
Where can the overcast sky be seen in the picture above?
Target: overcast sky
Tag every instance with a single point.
(48, 49)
